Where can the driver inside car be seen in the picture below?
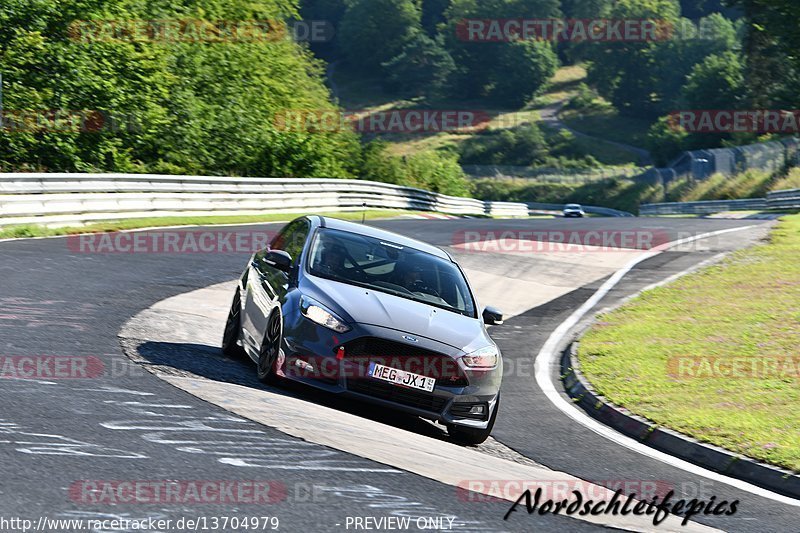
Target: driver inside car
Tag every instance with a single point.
(332, 259)
(411, 278)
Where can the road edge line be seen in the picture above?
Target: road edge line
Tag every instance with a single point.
(547, 358)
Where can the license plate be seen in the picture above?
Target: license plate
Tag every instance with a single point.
(401, 377)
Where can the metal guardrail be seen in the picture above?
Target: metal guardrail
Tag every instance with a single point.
(68, 199)
(63, 199)
(788, 199)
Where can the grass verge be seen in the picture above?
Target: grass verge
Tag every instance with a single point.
(720, 323)
(20, 231)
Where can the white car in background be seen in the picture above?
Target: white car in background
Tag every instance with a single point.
(573, 210)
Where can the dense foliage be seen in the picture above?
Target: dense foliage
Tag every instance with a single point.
(190, 106)
(199, 106)
(524, 146)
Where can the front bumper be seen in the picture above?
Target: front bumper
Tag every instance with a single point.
(312, 356)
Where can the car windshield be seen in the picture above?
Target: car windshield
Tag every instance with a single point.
(390, 268)
(573, 206)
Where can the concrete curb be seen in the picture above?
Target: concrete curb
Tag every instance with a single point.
(668, 441)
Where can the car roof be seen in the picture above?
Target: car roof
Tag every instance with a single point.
(370, 231)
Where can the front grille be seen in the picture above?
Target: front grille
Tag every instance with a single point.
(406, 357)
(387, 391)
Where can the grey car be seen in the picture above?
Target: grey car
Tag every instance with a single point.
(573, 210)
(372, 315)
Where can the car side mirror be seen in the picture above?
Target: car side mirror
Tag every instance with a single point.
(279, 259)
(492, 316)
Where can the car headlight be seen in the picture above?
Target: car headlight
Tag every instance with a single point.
(483, 358)
(319, 314)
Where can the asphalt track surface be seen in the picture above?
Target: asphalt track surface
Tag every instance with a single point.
(129, 425)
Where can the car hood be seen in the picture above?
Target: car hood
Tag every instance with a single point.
(370, 307)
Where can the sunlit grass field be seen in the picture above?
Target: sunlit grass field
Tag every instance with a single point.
(746, 306)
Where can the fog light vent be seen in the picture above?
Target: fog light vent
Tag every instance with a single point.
(474, 411)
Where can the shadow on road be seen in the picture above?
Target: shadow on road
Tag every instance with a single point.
(193, 360)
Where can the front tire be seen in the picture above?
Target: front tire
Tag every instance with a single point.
(270, 349)
(230, 339)
(473, 436)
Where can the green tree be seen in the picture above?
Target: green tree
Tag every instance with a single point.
(645, 79)
(715, 83)
(196, 107)
(375, 31)
(524, 67)
(586, 9)
(422, 68)
(329, 12)
(483, 68)
(666, 141)
(433, 14)
(696, 9)
(772, 39)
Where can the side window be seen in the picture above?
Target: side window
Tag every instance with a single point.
(291, 239)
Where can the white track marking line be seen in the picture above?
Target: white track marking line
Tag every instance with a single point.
(139, 230)
(548, 356)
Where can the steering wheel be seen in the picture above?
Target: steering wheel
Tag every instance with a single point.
(419, 286)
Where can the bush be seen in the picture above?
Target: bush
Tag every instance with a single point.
(616, 193)
(521, 146)
(432, 171)
(519, 190)
(584, 99)
(622, 194)
(666, 141)
(566, 153)
(748, 184)
(790, 181)
(526, 146)
(437, 172)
